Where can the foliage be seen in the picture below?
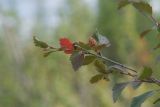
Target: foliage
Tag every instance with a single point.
(138, 100)
(117, 90)
(146, 10)
(91, 52)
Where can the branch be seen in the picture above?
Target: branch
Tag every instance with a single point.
(149, 80)
(106, 59)
(150, 17)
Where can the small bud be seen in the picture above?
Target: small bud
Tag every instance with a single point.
(92, 42)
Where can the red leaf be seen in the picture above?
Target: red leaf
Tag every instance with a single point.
(67, 45)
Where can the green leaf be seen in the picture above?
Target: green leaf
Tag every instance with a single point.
(96, 78)
(77, 59)
(38, 43)
(136, 85)
(117, 90)
(100, 66)
(157, 46)
(144, 33)
(138, 100)
(146, 73)
(156, 101)
(88, 59)
(158, 27)
(83, 45)
(123, 3)
(143, 7)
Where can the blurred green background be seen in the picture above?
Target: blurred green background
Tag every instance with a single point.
(29, 80)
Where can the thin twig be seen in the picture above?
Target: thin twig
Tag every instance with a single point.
(151, 18)
(149, 80)
(154, 20)
(106, 59)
